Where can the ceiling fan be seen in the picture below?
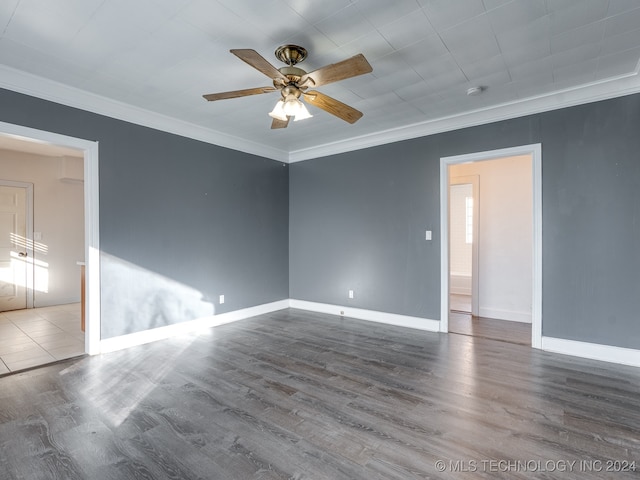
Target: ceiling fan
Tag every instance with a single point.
(293, 84)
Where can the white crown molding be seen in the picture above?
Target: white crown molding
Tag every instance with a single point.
(29, 84)
(592, 92)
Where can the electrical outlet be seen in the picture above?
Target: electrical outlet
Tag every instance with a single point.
(221, 299)
(350, 293)
(427, 235)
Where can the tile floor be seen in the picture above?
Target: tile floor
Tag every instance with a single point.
(39, 335)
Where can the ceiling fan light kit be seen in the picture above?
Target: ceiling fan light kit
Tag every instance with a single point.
(278, 111)
(291, 107)
(293, 83)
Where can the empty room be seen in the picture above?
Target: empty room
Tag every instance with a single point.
(244, 261)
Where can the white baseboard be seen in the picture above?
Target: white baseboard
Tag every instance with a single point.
(593, 351)
(162, 333)
(510, 315)
(39, 303)
(370, 315)
(460, 284)
(458, 290)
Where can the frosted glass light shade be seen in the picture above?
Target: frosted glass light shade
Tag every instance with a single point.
(290, 107)
(303, 113)
(278, 111)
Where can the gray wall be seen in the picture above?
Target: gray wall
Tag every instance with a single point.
(200, 220)
(181, 221)
(357, 220)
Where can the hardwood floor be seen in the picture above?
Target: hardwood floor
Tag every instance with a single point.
(462, 322)
(300, 395)
(503, 330)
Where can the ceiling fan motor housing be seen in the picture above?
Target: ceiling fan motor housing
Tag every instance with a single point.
(293, 74)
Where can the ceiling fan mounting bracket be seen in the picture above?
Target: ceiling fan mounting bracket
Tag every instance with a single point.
(291, 54)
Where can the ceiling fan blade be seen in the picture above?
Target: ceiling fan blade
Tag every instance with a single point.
(258, 62)
(348, 68)
(277, 123)
(333, 106)
(239, 93)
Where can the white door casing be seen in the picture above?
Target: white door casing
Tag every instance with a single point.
(535, 151)
(474, 181)
(92, 222)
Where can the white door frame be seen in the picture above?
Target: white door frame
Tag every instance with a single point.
(28, 233)
(535, 150)
(91, 220)
(474, 181)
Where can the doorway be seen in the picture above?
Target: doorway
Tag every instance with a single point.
(41, 241)
(491, 308)
(89, 165)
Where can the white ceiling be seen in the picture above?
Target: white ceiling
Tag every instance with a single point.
(150, 61)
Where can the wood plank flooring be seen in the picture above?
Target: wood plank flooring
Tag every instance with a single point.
(462, 322)
(300, 395)
(503, 330)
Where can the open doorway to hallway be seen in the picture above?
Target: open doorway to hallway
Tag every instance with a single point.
(41, 243)
(490, 248)
(491, 245)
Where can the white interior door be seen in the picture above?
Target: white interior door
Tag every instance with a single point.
(14, 251)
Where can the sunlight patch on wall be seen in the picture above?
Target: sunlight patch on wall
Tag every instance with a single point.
(135, 299)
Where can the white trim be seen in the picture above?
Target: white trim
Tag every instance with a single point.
(444, 247)
(591, 92)
(461, 284)
(474, 180)
(370, 315)
(593, 351)
(162, 333)
(92, 249)
(91, 219)
(535, 150)
(40, 87)
(28, 233)
(502, 314)
(23, 82)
